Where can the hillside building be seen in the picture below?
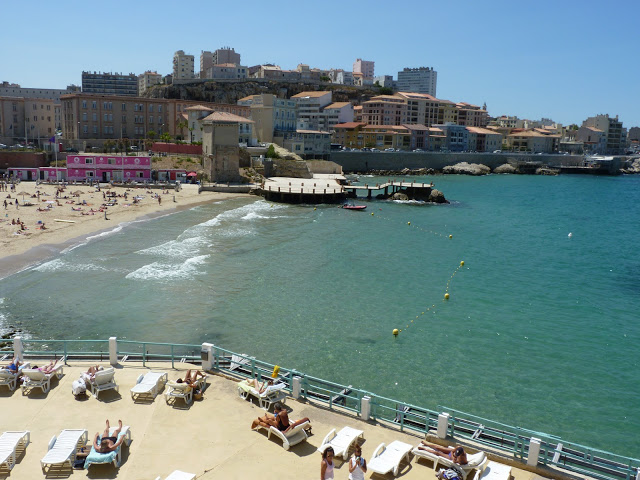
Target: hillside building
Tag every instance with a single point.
(110, 83)
(418, 80)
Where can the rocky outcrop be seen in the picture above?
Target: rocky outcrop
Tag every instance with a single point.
(465, 168)
(231, 92)
(436, 196)
(634, 167)
(399, 196)
(505, 168)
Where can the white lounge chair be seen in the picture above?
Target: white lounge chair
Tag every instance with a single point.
(493, 471)
(177, 390)
(294, 436)
(386, 459)
(63, 449)
(9, 443)
(476, 460)
(35, 378)
(179, 475)
(10, 378)
(270, 395)
(148, 385)
(114, 457)
(103, 380)
(341, 442)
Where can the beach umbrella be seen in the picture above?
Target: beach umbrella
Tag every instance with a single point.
(23, 193)
(78, 192)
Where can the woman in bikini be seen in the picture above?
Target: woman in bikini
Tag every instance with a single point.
(455, 454)
(107, 443)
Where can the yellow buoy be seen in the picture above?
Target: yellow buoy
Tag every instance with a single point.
(314, 208)
(446, 296)
(408, 223)
(395, 332)
(372, 214)
(450, 236)
(462, 263)
(276, 371)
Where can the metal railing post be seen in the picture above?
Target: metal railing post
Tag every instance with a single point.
(172, 357)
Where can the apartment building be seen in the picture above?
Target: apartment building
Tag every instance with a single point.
(418, 80)
(227, 71)
(341, 77)
(308, 143)
(366, 68)
(531, 141)
(226, 55)
(335, 113)
(182, 67)
(15, 90)
(27, 120)
(616, 135)
(484, 140)
(110, 83)
(349, 134)
(359, 135)
(472, 115)
(96, 118)
(272, 116)
(385, 110)
(422, 108)
(148, 79)
(310, 107)
(457, 137)
(593, 139)
(385, 81)
(206, 62)
(197, 114)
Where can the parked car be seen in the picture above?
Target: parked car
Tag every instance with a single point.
(72, 150)
(2, 145)
(497, 151)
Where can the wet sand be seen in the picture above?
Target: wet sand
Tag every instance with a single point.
(79, 211)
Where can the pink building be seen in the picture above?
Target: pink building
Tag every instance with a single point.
(172, 174)
(52, 174)
(104, 168)
(23, 173)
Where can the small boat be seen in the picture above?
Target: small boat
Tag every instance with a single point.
(351, 206)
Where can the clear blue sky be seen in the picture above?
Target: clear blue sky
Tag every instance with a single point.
(561, 60)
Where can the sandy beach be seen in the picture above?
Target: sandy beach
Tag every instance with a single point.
(78, 211)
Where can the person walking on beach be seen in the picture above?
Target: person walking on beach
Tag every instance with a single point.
(5, 204)
(326, 465)
(357, 465)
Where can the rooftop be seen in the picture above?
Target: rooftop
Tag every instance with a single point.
(310, 94)
(226, 118)
(337, 105)
(211, 438)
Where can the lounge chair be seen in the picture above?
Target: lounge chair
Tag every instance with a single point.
(9, 443)
(179, 475)
(341, 442)
(493, 471)
(182, 390)
(270, 395)
(35, 378)
(294, 436)
(386, 459)
(103, 380)
(114, 457)
(10, 378)
(475, 460)
(148, 385)
(63, 449)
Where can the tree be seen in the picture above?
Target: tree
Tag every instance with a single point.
(151, 134)
(165, 137)
(271, 152)
(325, 78)
(386, 91)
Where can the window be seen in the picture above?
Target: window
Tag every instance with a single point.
(159, 108)
(139, 174)
(95, 117)
(105, 117)
(110, 105)
(48, 107)
(112, 161)
(89, 174)
(111, 117)
(104, 105)
(85, 129)
(94, 105)
(84, 104)
(88, 160)
(49, 119)
(35, 118)
(150, 118)
(150, 108)
(124, 107)
(84, 116)
(95, 129)
(35, 107)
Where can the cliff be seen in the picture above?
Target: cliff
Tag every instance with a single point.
(231, 92)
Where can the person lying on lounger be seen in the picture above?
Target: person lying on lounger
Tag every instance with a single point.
(455, 454)
(108, 444)
(260, 387)
(14, 366)
(47, 368)
(191, 379)
(90, 374)
(280, 420)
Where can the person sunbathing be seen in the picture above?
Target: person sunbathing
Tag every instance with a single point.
(190, 379)
(259, 387)
(47, 368)
(108, 444)
(14, 366)
(90, 374)
(279, 420)
(455, 454)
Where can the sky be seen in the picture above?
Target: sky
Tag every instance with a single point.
(560, 60)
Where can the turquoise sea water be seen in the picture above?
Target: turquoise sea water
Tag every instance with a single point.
(541, 329)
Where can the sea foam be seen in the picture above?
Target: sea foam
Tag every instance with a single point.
(168, 271)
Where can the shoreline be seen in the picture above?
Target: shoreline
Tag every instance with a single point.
(19, 253)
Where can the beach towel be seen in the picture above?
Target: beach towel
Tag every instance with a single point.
(97, 457)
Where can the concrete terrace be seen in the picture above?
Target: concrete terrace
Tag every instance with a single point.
(211, 438)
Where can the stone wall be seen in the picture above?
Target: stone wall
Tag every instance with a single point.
(23, 159)
(365, 161)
